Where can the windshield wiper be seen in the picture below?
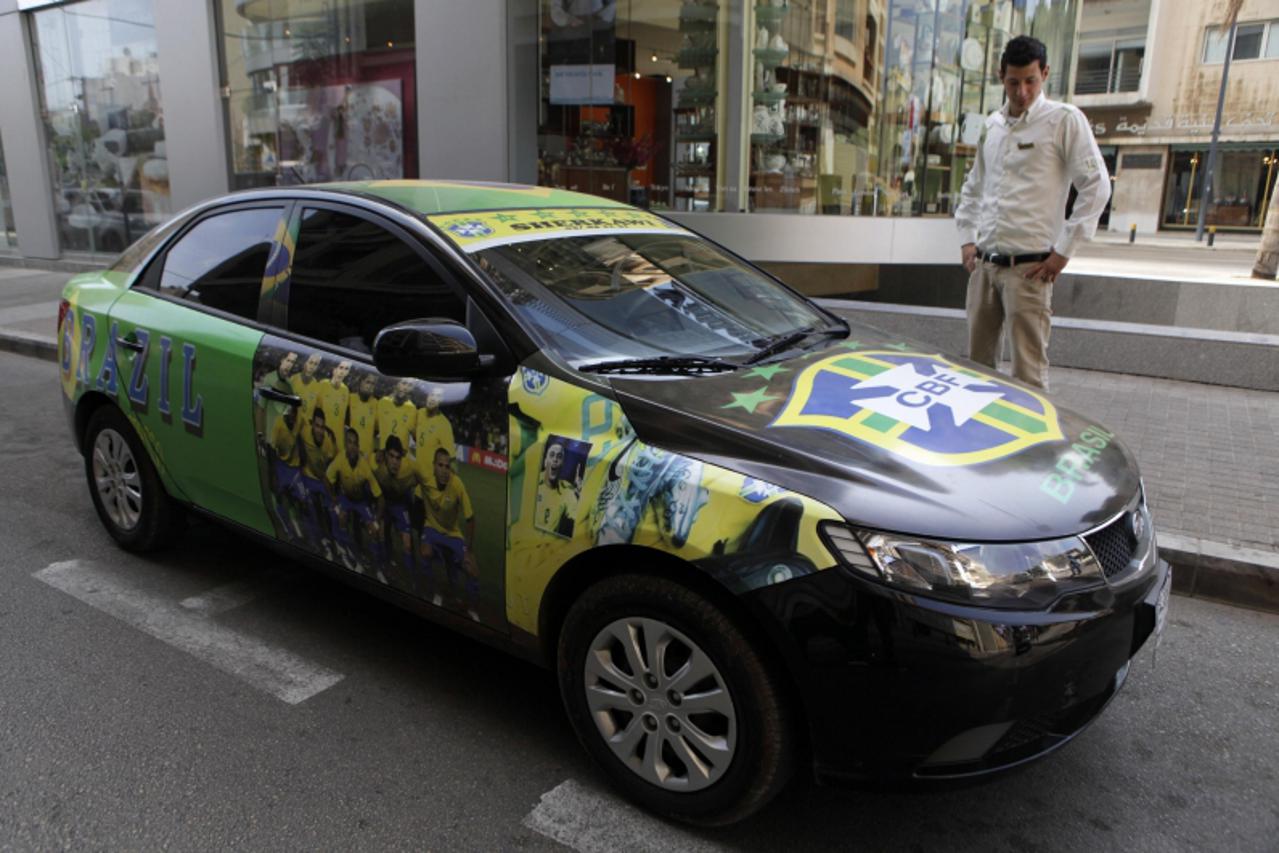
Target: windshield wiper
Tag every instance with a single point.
(661, 364)
(785, 341)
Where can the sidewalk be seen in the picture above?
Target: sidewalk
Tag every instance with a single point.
(1209, 454)
(1170, 256)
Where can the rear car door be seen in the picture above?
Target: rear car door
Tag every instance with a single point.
(182, 340)
(400, 480)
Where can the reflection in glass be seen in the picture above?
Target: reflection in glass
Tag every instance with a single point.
(1239, 192)
(99, 84)
(319, 91)
(8, 233)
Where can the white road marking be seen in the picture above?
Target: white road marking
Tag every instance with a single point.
(223, 598)
(591, 821)
(277, 671)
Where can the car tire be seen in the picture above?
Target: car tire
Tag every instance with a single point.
(126, 490)
(732, 745)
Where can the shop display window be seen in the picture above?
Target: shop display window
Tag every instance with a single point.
(1239, 193)
(319, 91)
(99, 84)
(8, 233)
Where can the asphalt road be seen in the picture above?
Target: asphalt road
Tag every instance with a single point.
(133, 728)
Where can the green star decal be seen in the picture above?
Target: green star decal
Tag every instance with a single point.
(544, 214)
(579, 214)
(504, 217)
(898, 347)
(767, 372)
(750, 401)
(851, 344)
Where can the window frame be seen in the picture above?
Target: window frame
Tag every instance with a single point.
(1269, 31)
(277, 309)
(147, 280)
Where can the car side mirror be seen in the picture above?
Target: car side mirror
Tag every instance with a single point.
(432, 348)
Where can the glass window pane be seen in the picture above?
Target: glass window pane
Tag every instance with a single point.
(1272, 41)
(1092, 73)
(319, 91)
(1215, 41)
(352, 278)
(220, 262)
(1248, 41)
(1127, 72)
(8, 232)
(846, 19)
(99, 82)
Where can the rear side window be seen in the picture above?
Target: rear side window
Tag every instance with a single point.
(352, 278)
(220, 262)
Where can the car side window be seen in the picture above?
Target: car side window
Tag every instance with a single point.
(219, 263)
(352, 278)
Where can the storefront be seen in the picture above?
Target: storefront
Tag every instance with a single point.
(1239, 192)
(318, 91)
(99, 87)
(864, 107)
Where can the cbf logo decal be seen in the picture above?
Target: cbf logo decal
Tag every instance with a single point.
(470, 229)
(919, 406)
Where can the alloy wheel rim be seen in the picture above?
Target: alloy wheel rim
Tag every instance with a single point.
(117, 479)
(661, 704)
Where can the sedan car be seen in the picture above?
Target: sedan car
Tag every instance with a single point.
(747, 535)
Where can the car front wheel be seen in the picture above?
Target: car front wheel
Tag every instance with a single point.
(127, 492)
(673, 701)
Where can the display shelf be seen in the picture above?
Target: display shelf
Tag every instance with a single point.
(696, 136)
(697, 57)
(689, 100)
(694, 170)
(769, 14)
(766, 138)
(768, 97)
(698, 13)
(770, 57)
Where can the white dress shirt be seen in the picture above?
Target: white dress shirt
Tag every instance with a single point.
(1014, 198)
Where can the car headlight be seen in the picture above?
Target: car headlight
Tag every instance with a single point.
(1019, 576)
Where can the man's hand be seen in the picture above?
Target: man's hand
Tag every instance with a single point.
(969, 256)
(1049, 269)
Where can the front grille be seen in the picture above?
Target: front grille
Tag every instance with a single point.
(1114, 545)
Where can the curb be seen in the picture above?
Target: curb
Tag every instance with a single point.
(1216, 571)
(29, 343)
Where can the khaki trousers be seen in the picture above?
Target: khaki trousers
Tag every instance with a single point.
(996, 293)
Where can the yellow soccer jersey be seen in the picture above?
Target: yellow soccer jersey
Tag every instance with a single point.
(447, 508)
(555, 507)
(364, 420)
(284, 440)
(318, 456)
(398, 490)
(333, 399)
(354, 481)
(434, 432)
(395, 419)
(309, 390)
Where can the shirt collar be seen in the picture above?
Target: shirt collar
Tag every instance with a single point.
(1025, 116)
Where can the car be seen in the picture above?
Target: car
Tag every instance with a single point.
(746, 535)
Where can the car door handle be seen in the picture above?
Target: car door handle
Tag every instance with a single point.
(131, 343)
(280, 397)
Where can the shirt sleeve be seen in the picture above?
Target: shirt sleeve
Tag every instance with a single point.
(969, 208)
(1088, 174)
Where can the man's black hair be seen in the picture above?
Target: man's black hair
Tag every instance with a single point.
(1023, 50)
(393, 443)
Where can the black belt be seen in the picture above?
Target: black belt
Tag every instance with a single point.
(1012, 260)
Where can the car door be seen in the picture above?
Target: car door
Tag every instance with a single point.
(400, 480)
(182, 341)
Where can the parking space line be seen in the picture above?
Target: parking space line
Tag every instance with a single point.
(274, 670)
(223, 598)
(592, 821)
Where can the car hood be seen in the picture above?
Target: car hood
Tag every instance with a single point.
(898, 437)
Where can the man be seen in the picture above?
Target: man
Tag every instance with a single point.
(334, 396)
(434, 432)
(307, 384)
(1011, 215)
(396, 414)
(555, 509)
(319, 448)
(281, 380)
(284, 453)
(362, 409)
(448, 506)
(399, 481)
(356, 492)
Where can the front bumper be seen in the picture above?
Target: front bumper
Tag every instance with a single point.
(895, 685)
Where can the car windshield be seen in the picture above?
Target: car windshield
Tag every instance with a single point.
(626, 296)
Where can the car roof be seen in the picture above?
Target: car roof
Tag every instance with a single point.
(428, 198)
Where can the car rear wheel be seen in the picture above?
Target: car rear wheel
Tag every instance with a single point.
(126, 491)
(673, 701)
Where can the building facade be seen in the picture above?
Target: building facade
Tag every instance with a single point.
(1148, 77)
(818, 135)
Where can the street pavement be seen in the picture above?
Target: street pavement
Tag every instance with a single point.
(115, 733)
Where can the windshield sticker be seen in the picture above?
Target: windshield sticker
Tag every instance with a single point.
(475, 231)
(923, 407)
